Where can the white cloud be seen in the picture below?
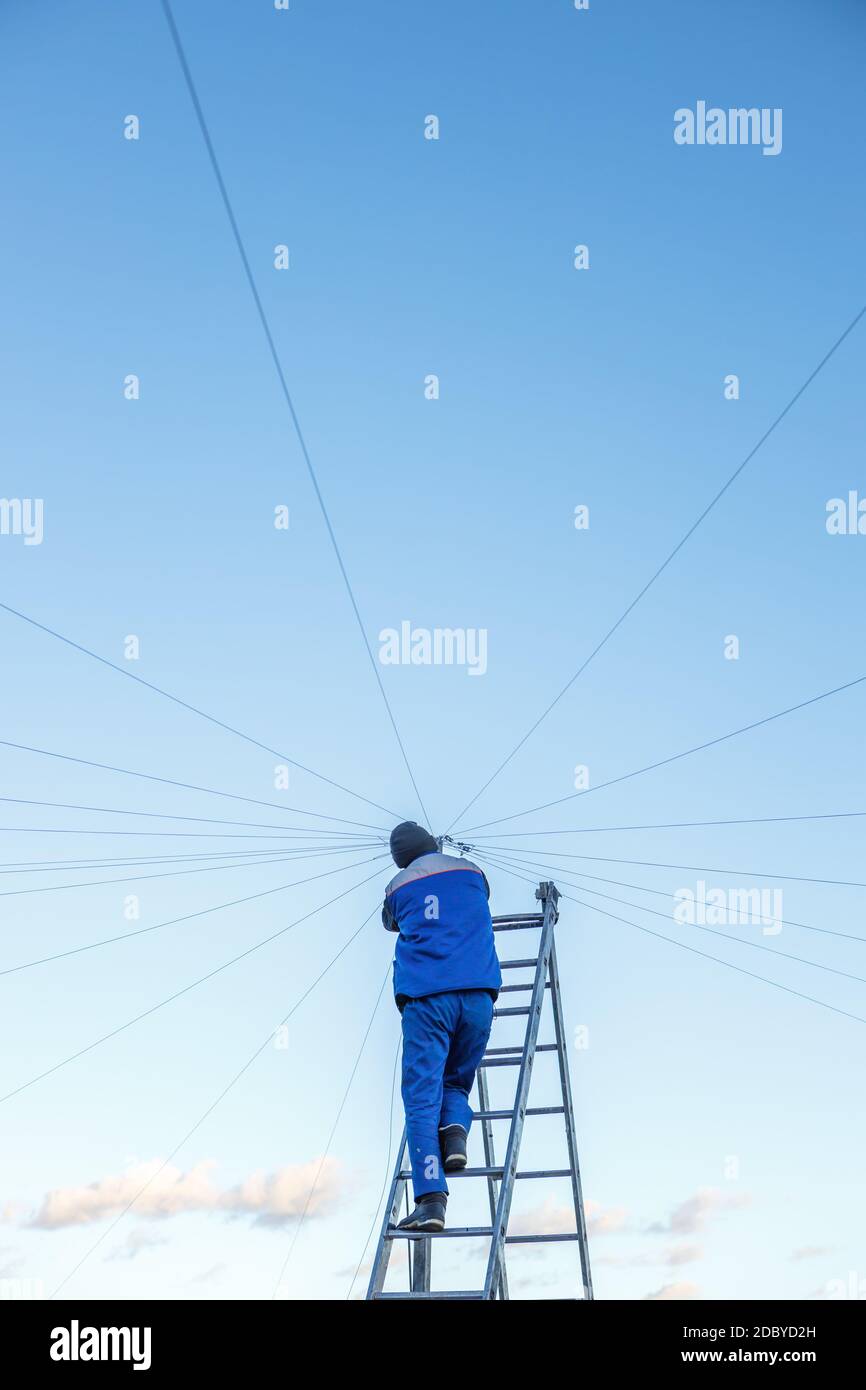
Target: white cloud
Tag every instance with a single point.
(11, 1261)
(271, 1198)
(683, 1255)
(691, 1215)
(672, 1257)
(536, 1281)
(604, 1223)
(138, 1239)
(399, 1260)
(208, 1276)
(670, 1293)
(548, 1219)
(552, 1218)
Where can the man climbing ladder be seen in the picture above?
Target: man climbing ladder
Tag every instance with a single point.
(446, 980)
(543, 996)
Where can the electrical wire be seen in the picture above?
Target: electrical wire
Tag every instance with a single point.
(49, 1071)
(187, 786)
(188, 917)
(725, 936)
(284, 387)
(662, 893)
(799, 994)
(286, 857)
(675, 757)
(375, 1221)
(211, 1108)
(327, 1150)
(663, 566)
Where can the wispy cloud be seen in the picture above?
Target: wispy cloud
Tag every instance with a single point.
(691, 1215)
(810, 1252)
(601, 1222)
(548, 1219)
(208, 1276)
(11, 1261)
(552, 1218)
(671, 1293)
(672, 1258)
(538, 1281)
(399, 1259)
(269, 1198)
(138, 1239)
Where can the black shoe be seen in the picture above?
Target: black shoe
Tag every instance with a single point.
(453, 1141)
(429, 1214)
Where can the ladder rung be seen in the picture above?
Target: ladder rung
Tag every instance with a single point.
(515, 989)
(457, 1293)
(406, 1173)
(504, 1056)
(517, 926)
(524, 918)
(510, 1013)
(518, 964)
(537, 1240)
(475, 1232)
(545, 1173)
(509, 1114)
(454, 1231)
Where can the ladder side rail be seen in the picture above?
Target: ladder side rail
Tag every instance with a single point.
(490, 1162)
(390, 1217)
(549, 896)
(420, 1264)
(570, 1126)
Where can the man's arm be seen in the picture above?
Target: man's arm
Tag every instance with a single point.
(478, 869)
(389, 921)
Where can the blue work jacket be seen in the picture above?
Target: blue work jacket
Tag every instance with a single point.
(439, 906)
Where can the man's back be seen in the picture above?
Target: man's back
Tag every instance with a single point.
(439, 906)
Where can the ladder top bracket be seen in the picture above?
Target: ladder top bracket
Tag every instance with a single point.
(545, 891)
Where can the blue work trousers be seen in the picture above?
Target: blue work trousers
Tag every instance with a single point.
(444, 1037)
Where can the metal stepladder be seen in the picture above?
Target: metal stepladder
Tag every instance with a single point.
(500, 1177)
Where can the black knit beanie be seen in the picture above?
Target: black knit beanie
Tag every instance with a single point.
(410, 840)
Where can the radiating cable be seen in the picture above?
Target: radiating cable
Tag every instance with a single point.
(675, 757)
(188, 917)
(327, 1149)
(663, 566)
(671, 825)
(705, 955)
(573, 874)
(725, 936)
(286, 857)
(210, 1109)
(172, 815)
(284, 387)
(387, 1168)
(191, 786)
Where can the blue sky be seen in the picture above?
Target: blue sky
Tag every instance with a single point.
(558, 387)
